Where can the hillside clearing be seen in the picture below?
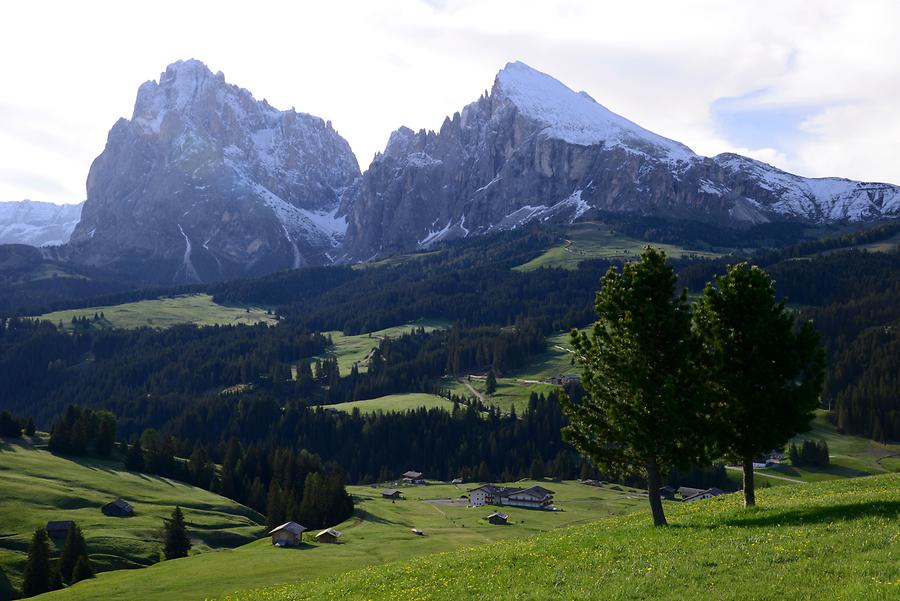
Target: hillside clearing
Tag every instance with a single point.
(197, 309)
(396, 402)
(590, 240)
(353, 349)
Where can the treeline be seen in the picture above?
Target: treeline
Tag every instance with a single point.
(81, 431)
(42, 574)
(12, 426)
(279, 482)
(809, 453)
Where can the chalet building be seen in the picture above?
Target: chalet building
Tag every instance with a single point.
(391, 494)
(412, 477)
(329, 535)
(564, 379)
(118, 509)
(289, 534)
(498, 518)
(59, 530)
(698, 494)
(534, 497)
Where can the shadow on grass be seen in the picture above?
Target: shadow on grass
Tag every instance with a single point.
(366, 516)
(818, 515)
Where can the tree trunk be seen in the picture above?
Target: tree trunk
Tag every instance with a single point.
(653, 484)
(749, 488)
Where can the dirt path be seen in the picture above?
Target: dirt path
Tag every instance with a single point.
(475, 392)
(736, 468)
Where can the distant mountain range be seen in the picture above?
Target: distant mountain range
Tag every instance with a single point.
(205, 182)
(37, 223)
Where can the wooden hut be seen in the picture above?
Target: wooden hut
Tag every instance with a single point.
(118, 508)
(390, 493)
(329, 535)
(498, 518)
(289, 534)
(59, 530)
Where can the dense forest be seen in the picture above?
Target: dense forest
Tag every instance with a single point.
(189, 382)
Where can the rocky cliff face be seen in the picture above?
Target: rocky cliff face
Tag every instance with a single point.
(533, 150)
(37, 223)
(205, 182)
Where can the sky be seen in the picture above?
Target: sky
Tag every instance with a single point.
(810, 87)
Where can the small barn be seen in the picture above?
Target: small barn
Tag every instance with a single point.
(329, 535)
(456, 481)
(289, 534)
(118, 509)
(391, 494)
(59, 530)
(417, 532)
(498, 518)
(413, 477)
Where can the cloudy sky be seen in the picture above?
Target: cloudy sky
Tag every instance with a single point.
(811, 87)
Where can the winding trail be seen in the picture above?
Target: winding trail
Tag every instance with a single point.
(473, 391)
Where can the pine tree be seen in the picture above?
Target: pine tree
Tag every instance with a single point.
(74, 548)
(37, 577)
(176, 544)
(644, 407)
(83, 570)
(767, 373)
(490, 383)
(29, 427)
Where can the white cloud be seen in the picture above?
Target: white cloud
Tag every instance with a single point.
(370, 67)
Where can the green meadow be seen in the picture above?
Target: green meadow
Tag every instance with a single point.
(197, 309)
(38, 487)
(397, 403)
(836, 540)
(592, 240)
(350, 350)
(379, 532)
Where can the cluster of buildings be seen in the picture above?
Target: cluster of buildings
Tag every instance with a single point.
(290, 534)
(533, 497)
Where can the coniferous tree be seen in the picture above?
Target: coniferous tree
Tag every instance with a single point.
(74, 549)
(83, 570)
(644, 407)
(37, 577)
(176, 543)
(9, 425)
(490, 383)
(29, 427)
(767, 373)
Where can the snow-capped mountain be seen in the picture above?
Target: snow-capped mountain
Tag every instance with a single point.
(37, 223)
(534, 149)
(205, 182)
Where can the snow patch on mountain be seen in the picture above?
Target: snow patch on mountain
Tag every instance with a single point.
(577, 118)
(37, 223)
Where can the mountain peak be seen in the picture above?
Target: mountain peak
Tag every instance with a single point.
(576, 117)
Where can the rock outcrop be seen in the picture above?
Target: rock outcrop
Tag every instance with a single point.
(205, 182)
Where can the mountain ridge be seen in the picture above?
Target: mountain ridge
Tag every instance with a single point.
(205, 182)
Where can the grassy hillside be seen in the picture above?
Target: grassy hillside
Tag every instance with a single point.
(353, 349)
(38, 487)
(396, 402)
(378, 532)
(197, 309)
(830, 540)
(596, 241)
